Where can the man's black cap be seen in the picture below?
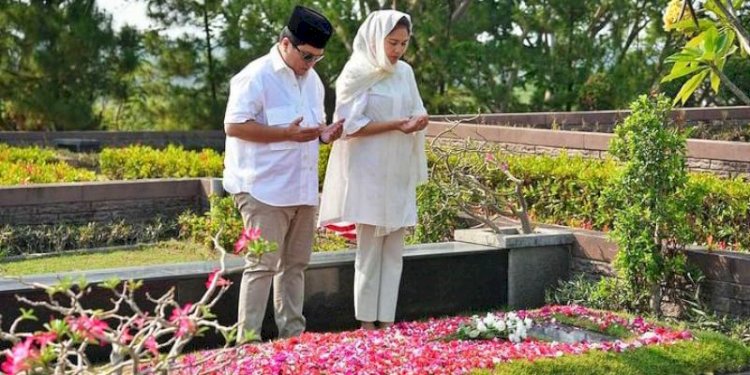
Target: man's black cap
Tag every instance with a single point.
(310, 27)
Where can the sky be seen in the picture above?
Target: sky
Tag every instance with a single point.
(128, 12)
(133, 13)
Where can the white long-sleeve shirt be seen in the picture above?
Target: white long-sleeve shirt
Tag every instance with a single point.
(280, 173)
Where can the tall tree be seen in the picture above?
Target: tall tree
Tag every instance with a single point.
(54, 64)
(579, 49)
(204, 15)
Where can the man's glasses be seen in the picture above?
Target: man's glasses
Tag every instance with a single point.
(307, 56)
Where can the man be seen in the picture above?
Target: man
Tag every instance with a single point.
(274, 121)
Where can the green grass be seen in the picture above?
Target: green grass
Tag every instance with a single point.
(710, 353)
(164, 252)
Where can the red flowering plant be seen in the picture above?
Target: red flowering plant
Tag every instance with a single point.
(141, 340)
(472, 176)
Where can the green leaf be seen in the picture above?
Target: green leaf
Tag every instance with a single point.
(682, 57)
(680, 70)
(28, 314)
(695, 43)
(58, 326)
(687, 25)
(135, 284)
(110, 283)
(721, 42)
(745, 44)
(82, 282)
(711, 7)
(728, 43)
(229, 336)
(690, 86)
(715, 82)
(709, 44)
(249, 336)
(206, 312)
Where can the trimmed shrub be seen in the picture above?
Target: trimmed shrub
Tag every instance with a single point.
(141, 162)
(223, 218)
(23, 173)
(436, 219)
(34, 154)
(34, 165)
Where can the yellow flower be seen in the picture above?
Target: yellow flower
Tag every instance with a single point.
(672, 14)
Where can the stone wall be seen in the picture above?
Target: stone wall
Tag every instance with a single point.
(727, 273)
(727, 283)
(721, 118)
(438, 280)
(102, 201)
(196, 139)
(720, 157)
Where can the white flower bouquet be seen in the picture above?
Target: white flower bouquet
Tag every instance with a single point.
(508, 326)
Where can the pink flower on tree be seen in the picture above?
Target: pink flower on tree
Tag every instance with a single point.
(181, 317)
(151, 345)
(125, 335)
(44, 338)
(220, 282)
(20, 357)
(141, 320)
(89, 328)
(247, 235)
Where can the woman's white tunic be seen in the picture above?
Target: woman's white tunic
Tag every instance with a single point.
(373, 179)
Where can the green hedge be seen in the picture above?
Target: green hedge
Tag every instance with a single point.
(34, 165)
(720, 210)
(23, 173)
(36, 239)
(26, 154)
(323, 154)
(567, 190)
(140, 162)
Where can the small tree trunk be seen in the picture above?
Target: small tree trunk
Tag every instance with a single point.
(655, 302)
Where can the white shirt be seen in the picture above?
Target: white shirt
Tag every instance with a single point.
(280, 173)
(372, 179)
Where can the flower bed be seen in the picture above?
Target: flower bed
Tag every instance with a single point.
(420, 347)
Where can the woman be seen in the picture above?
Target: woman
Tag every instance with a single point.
(374, 170)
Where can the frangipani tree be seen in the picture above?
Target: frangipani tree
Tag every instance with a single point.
(471, 177)
(716, 33)
(141, 340)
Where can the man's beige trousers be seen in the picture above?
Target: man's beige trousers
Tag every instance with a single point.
(292, 229)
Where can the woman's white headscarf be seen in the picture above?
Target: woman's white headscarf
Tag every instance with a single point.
(368, 63)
